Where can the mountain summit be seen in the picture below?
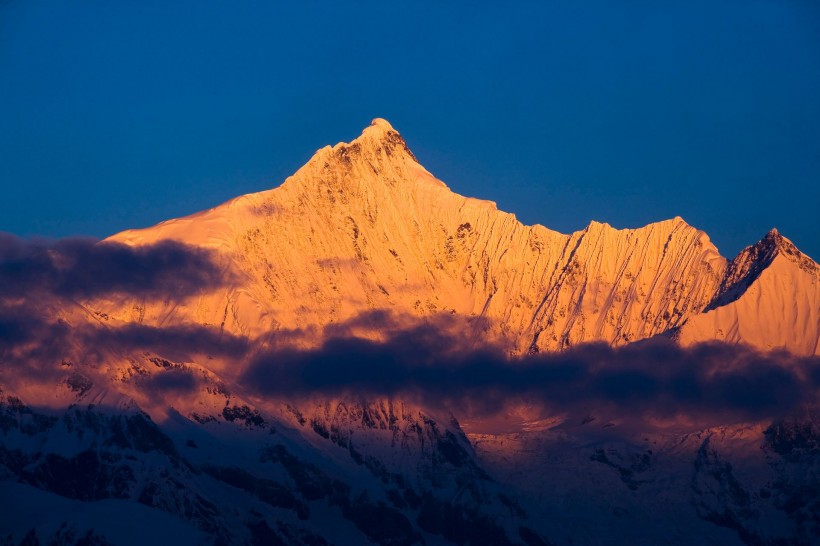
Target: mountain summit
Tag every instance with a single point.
(380, 129)
(363, 226)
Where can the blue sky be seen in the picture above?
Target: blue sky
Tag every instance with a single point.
(122, 114)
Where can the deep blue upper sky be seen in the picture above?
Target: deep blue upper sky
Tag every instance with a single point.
(122, 114)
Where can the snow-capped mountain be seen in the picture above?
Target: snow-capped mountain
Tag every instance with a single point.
(180, 414)
(364, 226)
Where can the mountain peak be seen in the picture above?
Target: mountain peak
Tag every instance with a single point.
(774, 243)
(379, 129)
(381, 123)
(379, 136)
(378, 145)
(752, 260)
(773, 240)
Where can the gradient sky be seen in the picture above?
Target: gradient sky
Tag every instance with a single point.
(121, 114)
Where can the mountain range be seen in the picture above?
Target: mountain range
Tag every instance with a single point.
(364, 226)
(362, 356)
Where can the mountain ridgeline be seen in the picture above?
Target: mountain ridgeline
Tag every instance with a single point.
(363, 226)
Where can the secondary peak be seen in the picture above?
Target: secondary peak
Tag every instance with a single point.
(773, 240)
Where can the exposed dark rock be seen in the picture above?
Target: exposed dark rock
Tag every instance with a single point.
(243, 413)
(637, 463)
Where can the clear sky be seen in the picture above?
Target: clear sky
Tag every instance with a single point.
(120, 114)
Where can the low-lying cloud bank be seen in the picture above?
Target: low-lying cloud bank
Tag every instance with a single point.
(655, 377)
(428, 364)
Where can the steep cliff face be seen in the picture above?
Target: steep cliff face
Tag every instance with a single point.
(363, 226)
(769, 299)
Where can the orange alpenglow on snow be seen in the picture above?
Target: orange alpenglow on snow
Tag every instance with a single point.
(363, 226)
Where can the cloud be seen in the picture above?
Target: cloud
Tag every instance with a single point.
(85, 268)
(655, 378)
(37, 276)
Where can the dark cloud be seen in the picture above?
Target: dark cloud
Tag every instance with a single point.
(85, 268)
(35, 348)
(17, 328)
(654, 378)
(190, 339)
(37, 276)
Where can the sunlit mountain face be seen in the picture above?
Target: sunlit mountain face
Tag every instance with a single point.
(362, 356)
